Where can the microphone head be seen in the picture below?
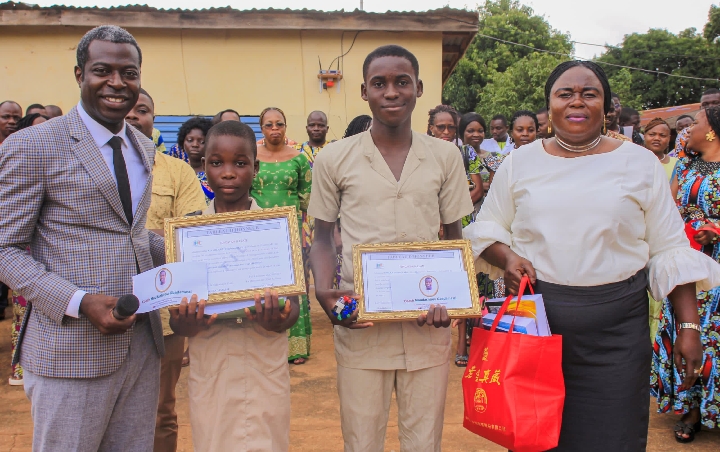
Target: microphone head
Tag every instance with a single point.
(127, 305)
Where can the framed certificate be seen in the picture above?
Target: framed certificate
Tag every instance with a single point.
(244, 251)
(398, 281)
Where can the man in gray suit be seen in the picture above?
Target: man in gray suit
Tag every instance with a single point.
(75, 191)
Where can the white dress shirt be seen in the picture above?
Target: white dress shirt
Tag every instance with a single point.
(491, 145)
(137, 174)
(590, 220)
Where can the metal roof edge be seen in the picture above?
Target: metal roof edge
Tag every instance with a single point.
(143, 16)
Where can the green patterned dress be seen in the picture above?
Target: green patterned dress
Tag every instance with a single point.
(288, 184)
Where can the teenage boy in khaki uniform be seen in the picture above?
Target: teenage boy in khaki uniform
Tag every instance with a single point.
(388, 184)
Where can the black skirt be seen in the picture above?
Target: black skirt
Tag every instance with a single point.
(606, 363)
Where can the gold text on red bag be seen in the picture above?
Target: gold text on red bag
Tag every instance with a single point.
(499, 428)
(483, 376)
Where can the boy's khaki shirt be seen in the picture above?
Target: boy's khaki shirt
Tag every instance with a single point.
(176, 191)
(352, 179)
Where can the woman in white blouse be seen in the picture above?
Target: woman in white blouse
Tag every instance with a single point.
(591, 221)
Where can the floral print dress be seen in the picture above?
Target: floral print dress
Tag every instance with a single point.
(19, 306)
(698, 200)
(472, 166)
(288, 184)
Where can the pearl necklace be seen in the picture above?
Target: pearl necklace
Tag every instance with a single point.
(579, 149)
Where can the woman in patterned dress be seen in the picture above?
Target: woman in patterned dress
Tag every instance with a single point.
(191, 149)
(443, 123)
(19, 305)
(696, 187)
(284, 179)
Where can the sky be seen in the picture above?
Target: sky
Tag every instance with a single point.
(582, 19)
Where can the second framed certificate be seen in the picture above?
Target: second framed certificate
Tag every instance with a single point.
(244, 251)
(398, 281)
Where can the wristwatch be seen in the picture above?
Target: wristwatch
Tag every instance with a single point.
(692, 326)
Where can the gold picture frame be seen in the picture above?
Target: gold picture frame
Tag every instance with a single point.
(468, 263)
(173, 225)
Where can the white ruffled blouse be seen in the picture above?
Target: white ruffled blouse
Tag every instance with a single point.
(590, 220)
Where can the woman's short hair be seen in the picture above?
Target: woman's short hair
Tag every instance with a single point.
(442, 109)
(468, 118)
(594, 67)
(359, 124)
(28, 120)
(713, 117)
(520, 114)
(198, 122)
(264, 112)
(654, 123)
(218, 117)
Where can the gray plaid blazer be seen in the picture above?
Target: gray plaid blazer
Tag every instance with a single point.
(60, 199)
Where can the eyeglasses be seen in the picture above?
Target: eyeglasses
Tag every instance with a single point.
(444, 127)
(270, 125)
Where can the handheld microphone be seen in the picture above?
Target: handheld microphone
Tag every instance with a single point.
(125, 306)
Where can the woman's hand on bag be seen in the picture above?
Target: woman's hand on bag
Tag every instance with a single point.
(688, 348)
(515, 268)
(705, 236)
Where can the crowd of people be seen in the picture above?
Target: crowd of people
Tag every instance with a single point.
(621, 242)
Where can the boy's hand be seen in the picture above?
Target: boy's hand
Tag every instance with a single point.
(189, 318)
(269, 315)
(328, 298)
(436, 316)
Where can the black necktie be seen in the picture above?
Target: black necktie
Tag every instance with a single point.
(123, 182)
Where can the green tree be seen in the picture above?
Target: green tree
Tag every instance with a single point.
(712, 28)
(520, 87)
(621, 84)
(687, 54)
(485, 58)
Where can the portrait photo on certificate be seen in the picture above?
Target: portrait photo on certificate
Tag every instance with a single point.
(395, 281)
(244, 251)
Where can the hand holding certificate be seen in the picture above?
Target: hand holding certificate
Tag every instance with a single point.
(401, 281)
(167, 285)
(189, 318)
(245, 252)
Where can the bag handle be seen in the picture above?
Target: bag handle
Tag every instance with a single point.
(524, 282)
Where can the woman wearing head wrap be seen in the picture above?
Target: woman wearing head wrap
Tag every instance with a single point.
(696, 188)
(590, 221)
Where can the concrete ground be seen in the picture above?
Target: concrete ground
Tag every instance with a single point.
(315, 422)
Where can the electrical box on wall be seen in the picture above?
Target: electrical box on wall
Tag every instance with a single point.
(328, 79)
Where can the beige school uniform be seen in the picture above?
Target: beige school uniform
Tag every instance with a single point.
(352, 179)
(176, 191)
(239, 386)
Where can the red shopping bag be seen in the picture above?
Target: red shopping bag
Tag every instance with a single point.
(513, 387)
